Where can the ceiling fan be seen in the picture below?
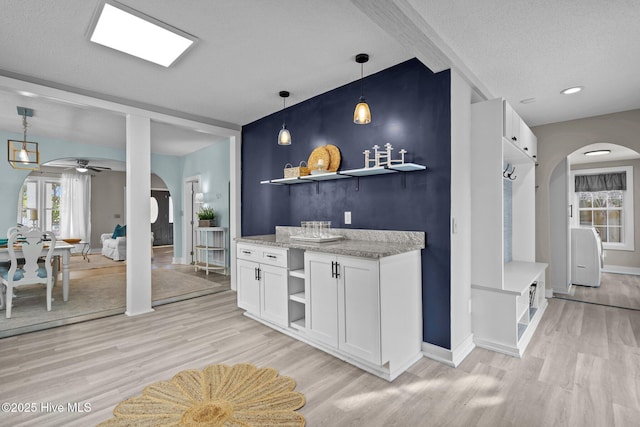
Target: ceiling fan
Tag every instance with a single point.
(83, 166)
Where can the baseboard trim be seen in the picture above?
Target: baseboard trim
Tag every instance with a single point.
(620, 269)
(448, 357)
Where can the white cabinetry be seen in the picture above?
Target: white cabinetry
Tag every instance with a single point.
(263, 282)
(517, 132)
(503, 263)
(366, 311)
(211, 249)
(343, 295)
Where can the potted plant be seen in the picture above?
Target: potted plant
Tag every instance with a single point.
(207, 217)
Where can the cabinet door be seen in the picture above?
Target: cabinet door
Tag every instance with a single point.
(359, 308)
(274, 296)
(321, 290)
(533, 150)
(511, 124)
(248, 286)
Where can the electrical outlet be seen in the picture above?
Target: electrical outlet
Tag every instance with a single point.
(347, 217)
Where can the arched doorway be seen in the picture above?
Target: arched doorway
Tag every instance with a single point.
(607, 209)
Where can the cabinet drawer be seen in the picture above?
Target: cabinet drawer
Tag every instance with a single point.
(263, 254)
(249, 252)
(274, 256)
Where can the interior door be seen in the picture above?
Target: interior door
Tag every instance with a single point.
(161, 228)
(560, 212)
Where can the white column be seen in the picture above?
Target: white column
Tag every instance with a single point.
(138, 215)
(235, 217)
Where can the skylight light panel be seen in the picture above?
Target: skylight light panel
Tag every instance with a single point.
(137, 34)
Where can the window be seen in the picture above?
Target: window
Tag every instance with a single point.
(39, 203)
(609, 211)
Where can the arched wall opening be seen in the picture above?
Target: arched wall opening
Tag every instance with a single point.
(556, 142)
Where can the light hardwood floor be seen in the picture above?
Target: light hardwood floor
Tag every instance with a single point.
(582, 368)
(618, 290)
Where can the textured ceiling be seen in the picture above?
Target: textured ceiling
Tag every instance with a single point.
(249, 50)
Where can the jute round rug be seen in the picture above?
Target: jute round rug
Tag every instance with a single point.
(219, 395)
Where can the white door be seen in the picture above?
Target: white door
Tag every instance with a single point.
(359, 308)
(274, 298)
(248, 286)
(321, 290)
(560, 212)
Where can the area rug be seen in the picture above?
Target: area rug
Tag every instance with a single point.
(218, 395)
(78, 262)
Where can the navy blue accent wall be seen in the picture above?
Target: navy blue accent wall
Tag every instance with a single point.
(410, 108)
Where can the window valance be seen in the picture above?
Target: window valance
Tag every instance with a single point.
(601, 182)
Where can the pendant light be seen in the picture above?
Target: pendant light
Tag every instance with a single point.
(362, 113)
(284, 136)
(23, 154)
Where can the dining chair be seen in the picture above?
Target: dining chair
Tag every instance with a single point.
(30, 241)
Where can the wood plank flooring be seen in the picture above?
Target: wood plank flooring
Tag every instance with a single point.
(618, 290)
(582, 368)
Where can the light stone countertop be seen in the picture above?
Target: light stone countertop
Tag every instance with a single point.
(358, 243)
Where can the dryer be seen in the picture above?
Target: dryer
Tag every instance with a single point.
(587, 256)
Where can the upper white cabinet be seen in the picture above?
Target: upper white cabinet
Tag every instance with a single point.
(503, 267)
(517, 132)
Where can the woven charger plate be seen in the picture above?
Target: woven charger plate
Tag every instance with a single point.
(334, 154)
(317, 154)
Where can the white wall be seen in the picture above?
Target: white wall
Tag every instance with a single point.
(556, 141)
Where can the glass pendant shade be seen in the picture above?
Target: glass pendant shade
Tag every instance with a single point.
(284, 136)
(362, 113)
(23, 155)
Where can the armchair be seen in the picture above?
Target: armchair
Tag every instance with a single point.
(116, 249)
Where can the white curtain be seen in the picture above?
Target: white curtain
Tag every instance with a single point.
(75, 206)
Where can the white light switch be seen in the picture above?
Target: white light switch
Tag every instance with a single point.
(347, 217)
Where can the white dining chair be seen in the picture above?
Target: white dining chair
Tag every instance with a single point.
(31, 242)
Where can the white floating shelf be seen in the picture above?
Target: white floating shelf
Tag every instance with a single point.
(323, 177)
(350, 173)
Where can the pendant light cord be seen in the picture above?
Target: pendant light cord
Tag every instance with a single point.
(361, 80)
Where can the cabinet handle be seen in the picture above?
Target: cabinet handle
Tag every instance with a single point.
(272, 256)
(514, 138)
(246, 252)
(333, 269)
(526, 148)
(259, 275)
(255, 273)
(337, 270)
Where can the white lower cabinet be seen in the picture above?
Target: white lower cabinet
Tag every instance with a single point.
(365, 311)
(343, 303)
(263, 286)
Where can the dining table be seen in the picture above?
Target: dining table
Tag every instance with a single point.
(62, 250)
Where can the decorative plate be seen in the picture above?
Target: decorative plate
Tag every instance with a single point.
(320, 153)
(334, 154)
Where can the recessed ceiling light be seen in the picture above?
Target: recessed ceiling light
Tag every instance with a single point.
(127, 30)
(570, 90)
(597, 152)
(527, 101)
